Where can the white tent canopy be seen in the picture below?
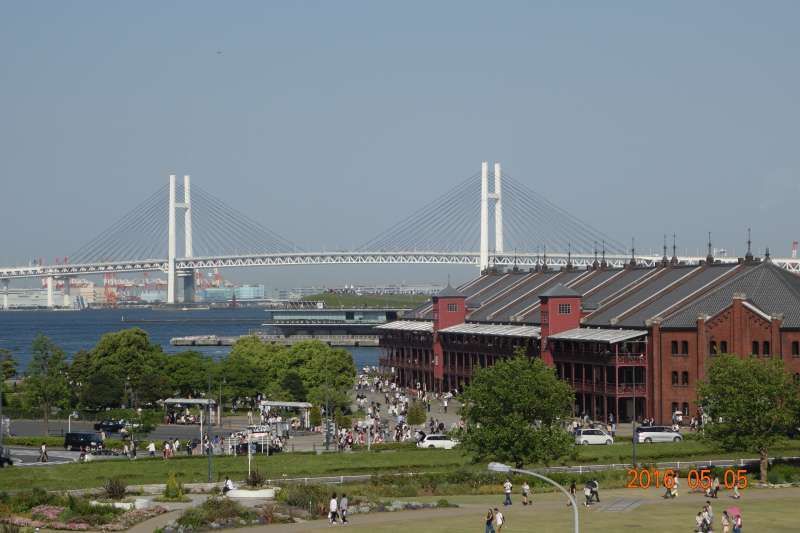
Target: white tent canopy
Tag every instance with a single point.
(303, 407)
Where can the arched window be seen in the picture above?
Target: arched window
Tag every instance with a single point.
(674, 378)
(795, 348)
(723, 346)
(674, 347)
(685, 408)
(755, 347)
(712, 348)
(674, 406)
(766, 348)
(684, 378)
(685, 347)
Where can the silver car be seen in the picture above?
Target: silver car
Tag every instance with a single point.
(650, 434)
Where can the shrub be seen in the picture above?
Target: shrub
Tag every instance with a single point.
(312, 497)
(417, 414)
(24, 501)
(115, 488)
(255, 478)
(80, 510)
(218, 510)
(174, 488)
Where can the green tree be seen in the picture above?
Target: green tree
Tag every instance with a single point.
(133, 362)
(417, 414)
(8, 364)
(751, 404)
(514, 411)
(46, 381)
(188, 373)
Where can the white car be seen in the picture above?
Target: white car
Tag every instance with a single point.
(437, 441)
(650, 434)
(593, 436)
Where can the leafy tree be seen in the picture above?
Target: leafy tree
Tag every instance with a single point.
(751, 403)
(134, 362)
(188, 373)
(102, 388)
(8, 365)
(46, 382)
(417, 414)
(514, 411)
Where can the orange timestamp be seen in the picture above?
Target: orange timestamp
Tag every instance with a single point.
(642, 478)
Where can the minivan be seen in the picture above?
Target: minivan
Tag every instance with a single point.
(650, 434)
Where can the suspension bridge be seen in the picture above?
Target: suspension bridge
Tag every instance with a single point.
(484, 221)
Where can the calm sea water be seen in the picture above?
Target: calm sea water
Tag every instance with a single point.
(80, 330)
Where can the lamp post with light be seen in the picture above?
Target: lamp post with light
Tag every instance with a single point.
(500, 467)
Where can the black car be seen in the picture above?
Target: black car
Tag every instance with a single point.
(109, 426)
(76, 441)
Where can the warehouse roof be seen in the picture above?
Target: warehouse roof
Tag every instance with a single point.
(408, 325)
(609, 336)
(499, 330)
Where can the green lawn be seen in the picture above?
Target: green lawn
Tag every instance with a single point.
(194, 469)
(773, 510)
(408, 301)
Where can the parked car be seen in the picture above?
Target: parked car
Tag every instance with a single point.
(437, 441)
(5, 457)
(593, 436)
(76, 441)
(650, 434)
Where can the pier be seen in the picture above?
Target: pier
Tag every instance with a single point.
(286, 340)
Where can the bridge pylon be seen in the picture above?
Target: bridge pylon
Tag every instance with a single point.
(495, 196)
(172, 241)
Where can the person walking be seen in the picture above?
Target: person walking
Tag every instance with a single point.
(526, 489)
(573, 489)
(43, 453)
(333, 510)
(595, 489)
(507, 486)
(737, 524)
(736, 494)
(499, 520)
(587, 493)
(343, 509)
(726, 522)
(489, 521)
(151, 449)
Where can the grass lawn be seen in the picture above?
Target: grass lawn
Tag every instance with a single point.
(772, 510)
(369, 300)
(194, 469)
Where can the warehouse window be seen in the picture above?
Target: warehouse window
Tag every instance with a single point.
(674, 378)
(685, 378)
(712, 348)
(795, 348)
(723, 346)
(564, 309)
(452, 307)
(685, 347)
(674, 347)
(766, 348)
(755, 348)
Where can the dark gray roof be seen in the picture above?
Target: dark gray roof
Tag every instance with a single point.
(704, 278)
(648, 287)
(622, 280)
(450, 292)
(768, 287)
(560, 291)
(500, 299)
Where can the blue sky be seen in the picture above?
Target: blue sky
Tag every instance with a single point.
(327, 121)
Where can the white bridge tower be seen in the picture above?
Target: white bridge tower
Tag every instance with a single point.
(186, 206)
(495, 196)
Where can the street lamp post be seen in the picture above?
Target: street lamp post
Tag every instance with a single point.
(500, 467)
